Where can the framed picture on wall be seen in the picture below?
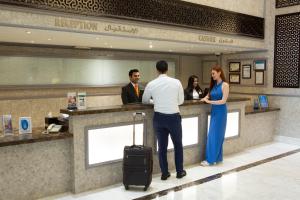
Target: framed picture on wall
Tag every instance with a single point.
(246, 71)
(234, 67)
(259, 77)
(234, 78)
(259, 65)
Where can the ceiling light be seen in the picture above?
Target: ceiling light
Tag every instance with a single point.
(49, 39)
(170, 50)
(111, 46)
(97, 38)
(150, 46)
(105, 43)
(28, 32)
(32, 41)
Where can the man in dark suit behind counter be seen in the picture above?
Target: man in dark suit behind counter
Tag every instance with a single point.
(133, 91)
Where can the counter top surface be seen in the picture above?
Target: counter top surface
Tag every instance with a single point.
(35, 136)
(249, 110)
(130, 107)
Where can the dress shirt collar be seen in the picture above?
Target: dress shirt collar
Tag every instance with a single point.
(163, 75)
(133, 84)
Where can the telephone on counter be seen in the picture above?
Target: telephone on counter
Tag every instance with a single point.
(53, 128)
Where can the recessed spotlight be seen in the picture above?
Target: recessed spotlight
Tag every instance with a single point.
(170, 50)
(111, 46)
(49, 39)
(32, 41)
(28, 32)
(150, 46)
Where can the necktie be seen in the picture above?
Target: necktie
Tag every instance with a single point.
(136, 88)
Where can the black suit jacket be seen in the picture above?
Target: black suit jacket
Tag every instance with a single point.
(188, 94)
(129, 96)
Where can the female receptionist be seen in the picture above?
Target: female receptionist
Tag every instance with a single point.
(193, 90)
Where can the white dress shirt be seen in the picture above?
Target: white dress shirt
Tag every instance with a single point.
(195, 94)
(166, 92)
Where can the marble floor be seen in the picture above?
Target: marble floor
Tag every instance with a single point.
(279, 179)
(269, 171)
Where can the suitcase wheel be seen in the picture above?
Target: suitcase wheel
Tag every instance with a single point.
(126, 187)
(146, 187)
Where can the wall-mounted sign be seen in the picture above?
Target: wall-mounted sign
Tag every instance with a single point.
(123, 29)
(214, 39)
(76, 24)
(93, 26)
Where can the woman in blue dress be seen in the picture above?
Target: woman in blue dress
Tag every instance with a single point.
(217, 97)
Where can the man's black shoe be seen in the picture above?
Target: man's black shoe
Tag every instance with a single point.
(165, 176)
(181, 174)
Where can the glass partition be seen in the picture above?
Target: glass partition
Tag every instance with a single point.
(29, 71)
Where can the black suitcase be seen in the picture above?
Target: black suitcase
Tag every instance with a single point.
(137, 163)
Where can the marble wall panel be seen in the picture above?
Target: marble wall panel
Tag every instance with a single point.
(287, 122)
(32, 171)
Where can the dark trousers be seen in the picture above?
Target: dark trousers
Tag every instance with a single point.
(165, 124)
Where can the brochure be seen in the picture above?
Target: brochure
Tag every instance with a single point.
(81, 100)
(7, 125)
(72, 101)
(25, 125)
(263, 101)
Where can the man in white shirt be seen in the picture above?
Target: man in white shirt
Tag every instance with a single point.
(167, 94)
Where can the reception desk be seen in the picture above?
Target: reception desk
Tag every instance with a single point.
(100, 134)
(90, 155)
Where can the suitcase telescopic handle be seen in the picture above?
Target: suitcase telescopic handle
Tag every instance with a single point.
(134, 117)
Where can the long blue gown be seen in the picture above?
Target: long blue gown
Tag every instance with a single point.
(217, 127)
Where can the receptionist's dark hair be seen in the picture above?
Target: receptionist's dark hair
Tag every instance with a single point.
(190, 86)
(132, 71)
(162, 66)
